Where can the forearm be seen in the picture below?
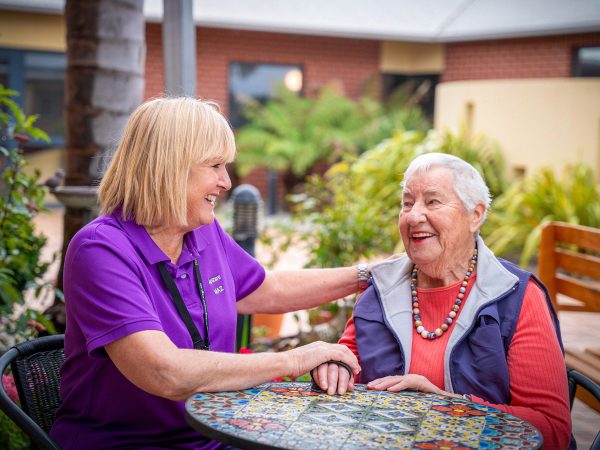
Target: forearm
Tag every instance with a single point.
(285, 291)
(154, 364)
(202, 371)
(212, 371)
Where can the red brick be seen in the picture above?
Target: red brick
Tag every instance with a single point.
(540, 57)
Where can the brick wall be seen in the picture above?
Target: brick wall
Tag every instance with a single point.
(353, 62)
(540, 57)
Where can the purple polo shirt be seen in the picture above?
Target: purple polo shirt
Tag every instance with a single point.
(112, 289)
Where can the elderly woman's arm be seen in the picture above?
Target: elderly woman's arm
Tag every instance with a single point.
(284, 291)
(151, 361)
(538, 380)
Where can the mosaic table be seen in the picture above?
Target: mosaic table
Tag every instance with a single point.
(292, 416)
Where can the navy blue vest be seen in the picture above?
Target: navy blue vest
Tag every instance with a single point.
(478, 361)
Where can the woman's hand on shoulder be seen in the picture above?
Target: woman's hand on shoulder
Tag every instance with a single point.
(316, 355)
(412, 382)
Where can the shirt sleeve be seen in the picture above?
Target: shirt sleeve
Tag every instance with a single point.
(538, 380)
(105, 294)
(349, 340)
(248, 274)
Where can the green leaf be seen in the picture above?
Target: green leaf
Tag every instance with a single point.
(21, 197)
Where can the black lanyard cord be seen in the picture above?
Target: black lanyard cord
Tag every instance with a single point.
(199, 343)
(203, 300)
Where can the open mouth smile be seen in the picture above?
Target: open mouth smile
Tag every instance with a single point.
(211, 199)
(421, 236)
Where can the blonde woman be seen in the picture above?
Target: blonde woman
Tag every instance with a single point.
(131, 356)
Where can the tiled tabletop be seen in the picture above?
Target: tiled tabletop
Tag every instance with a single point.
(293, 416)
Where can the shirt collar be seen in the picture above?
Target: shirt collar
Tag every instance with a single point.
(193, 243)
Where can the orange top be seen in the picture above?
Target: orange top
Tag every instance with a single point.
(538, 381)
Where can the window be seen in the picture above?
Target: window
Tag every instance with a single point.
(258, 82)
(39, 78)
(586, 62)
(3, 73)
(420, 89)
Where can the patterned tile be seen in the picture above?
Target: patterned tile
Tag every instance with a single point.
(390, 427)
(331, 419)
(291, 415)
(393, 414)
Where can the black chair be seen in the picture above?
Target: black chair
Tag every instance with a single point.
(35, 366)
(576, 380)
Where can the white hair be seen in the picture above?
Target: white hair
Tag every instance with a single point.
(469, 185)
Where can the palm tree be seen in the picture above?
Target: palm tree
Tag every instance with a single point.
(104, 84)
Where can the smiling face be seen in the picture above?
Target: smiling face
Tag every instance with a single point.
(206, 181)
(436, 229)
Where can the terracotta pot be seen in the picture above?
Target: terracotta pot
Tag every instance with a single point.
(271, 321)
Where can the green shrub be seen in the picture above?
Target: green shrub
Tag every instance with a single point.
(11, 436)
(290, 134)
(515, 222)
(21, 197)
(353, 210)
(482, 154)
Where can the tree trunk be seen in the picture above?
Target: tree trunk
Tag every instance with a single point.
(104, 84)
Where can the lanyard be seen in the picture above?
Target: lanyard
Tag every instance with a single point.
(199, 343)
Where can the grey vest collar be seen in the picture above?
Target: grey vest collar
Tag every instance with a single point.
(391, 279)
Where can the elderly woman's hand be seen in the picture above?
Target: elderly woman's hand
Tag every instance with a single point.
(316, 355)
(332, 378)
(396, 383)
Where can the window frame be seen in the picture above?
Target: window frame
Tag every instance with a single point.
(577, 67)
(230, 95)
(16, 80)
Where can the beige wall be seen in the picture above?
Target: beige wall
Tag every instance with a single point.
(411, 58)
(46, 161)
(32, 31)
(537, 122)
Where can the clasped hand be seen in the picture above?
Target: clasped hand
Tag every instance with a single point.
(330, 379)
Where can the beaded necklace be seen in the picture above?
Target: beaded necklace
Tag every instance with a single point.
(431, 335)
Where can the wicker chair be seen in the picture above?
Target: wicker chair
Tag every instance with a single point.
(592, 390)
(35, 366)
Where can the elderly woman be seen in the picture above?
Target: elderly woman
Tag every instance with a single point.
(451, 318)
(152, 288)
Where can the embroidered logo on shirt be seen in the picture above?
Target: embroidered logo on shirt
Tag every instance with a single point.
(219, 288)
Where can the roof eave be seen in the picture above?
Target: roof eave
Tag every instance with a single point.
(516, 34)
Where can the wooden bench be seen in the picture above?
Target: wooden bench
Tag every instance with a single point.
(569, 266)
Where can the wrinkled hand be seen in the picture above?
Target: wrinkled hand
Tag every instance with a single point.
(396, 383)
(316, 355)
(332, 378)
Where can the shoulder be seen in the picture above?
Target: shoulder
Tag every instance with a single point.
(212, 233)
(99, 228)
(387, 274)
(535, 297)
(368, 305)
(102, 234)
(521, 273)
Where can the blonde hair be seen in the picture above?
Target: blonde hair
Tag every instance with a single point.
(163, 138)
